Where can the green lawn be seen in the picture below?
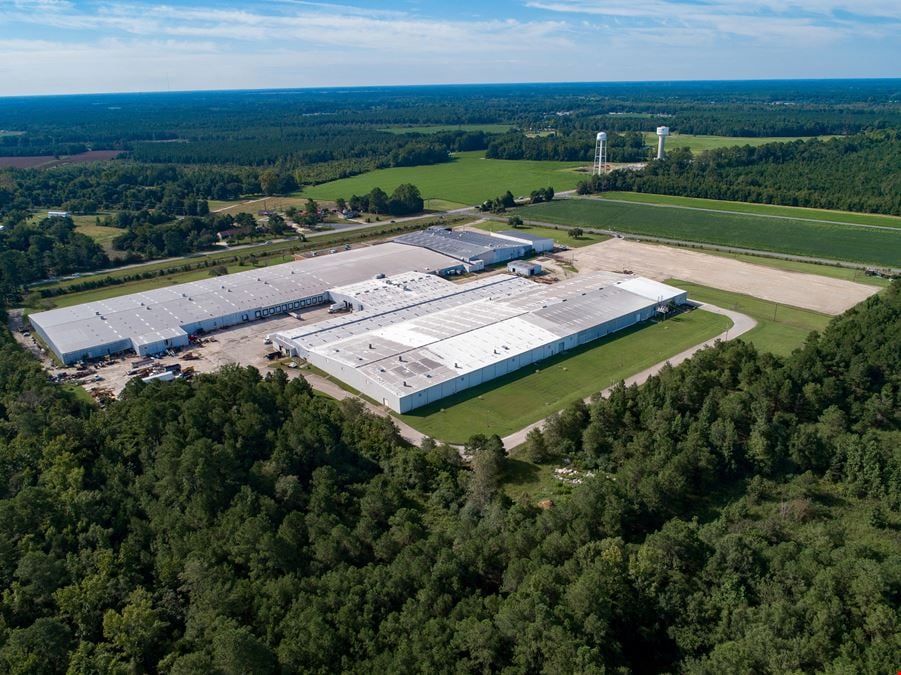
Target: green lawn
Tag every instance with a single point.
(511, 402)
(520, 478)
(781, 235)
(760, 209)
(780, 328)
(437, 128)
(469, 179)
(99, 233)
(560, 236)
(699, 143)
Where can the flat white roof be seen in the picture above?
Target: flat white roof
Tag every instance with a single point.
(94, 324)
(411, 349)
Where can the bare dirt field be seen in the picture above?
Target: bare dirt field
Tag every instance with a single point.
(810, 291)
(48, 161)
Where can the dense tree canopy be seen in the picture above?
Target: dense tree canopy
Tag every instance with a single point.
(855, 173)
(30, 252)
(739, 520)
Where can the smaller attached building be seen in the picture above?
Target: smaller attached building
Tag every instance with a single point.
(523, 268)
(539, 244)
(476, 249)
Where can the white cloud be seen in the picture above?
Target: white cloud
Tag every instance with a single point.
(116, 45)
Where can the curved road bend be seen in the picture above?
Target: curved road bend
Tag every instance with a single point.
(741, 324)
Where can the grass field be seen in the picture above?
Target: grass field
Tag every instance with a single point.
(781, 235)
(102, 235)
(511, 402)
(520, 478)
(469, 179)
(560, 236)
(87, 224)
(438, 128)
(699, 143)
(780, 328)
(257, 204)
(758, 209)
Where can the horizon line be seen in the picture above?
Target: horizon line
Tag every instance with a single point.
(453, 84)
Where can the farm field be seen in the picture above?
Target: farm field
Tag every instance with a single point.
(469, 179)
(780, 328)
(781, 235)
(49, 161)
(438, 128)
(795, 212)
(509, 403)
(561, 236)
(699, 143)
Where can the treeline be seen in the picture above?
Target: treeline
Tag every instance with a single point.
(156, 235)
(123, 186)
(739, 519)
(329, 144)
(298, 119)
(31, 252)
(854, 173)
(573, 147)
(404, 200)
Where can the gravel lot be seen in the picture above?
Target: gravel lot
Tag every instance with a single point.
(810, 291)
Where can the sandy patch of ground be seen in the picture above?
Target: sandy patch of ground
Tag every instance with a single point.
(810, 291)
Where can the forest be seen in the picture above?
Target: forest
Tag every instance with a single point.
(854, 173)
(247, 127)
(182, 150)
(573, 147)
(741, 516)
(31, 252)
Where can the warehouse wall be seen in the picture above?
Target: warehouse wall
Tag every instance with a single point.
(160, 346)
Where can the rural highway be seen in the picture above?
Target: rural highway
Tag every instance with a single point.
(741, 324)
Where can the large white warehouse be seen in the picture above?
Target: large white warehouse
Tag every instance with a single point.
(154, 321)
(477, 249)
(415, 339)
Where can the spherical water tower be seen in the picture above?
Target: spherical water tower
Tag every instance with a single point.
(662, 133)
(600, 154)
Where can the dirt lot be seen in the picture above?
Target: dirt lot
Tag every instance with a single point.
(810, 291)
(48, 161)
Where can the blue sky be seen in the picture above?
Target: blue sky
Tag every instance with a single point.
(69, 46)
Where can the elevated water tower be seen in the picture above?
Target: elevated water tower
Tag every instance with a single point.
(600, 154)
(662, 133)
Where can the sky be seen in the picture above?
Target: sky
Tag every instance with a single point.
(81, 46)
